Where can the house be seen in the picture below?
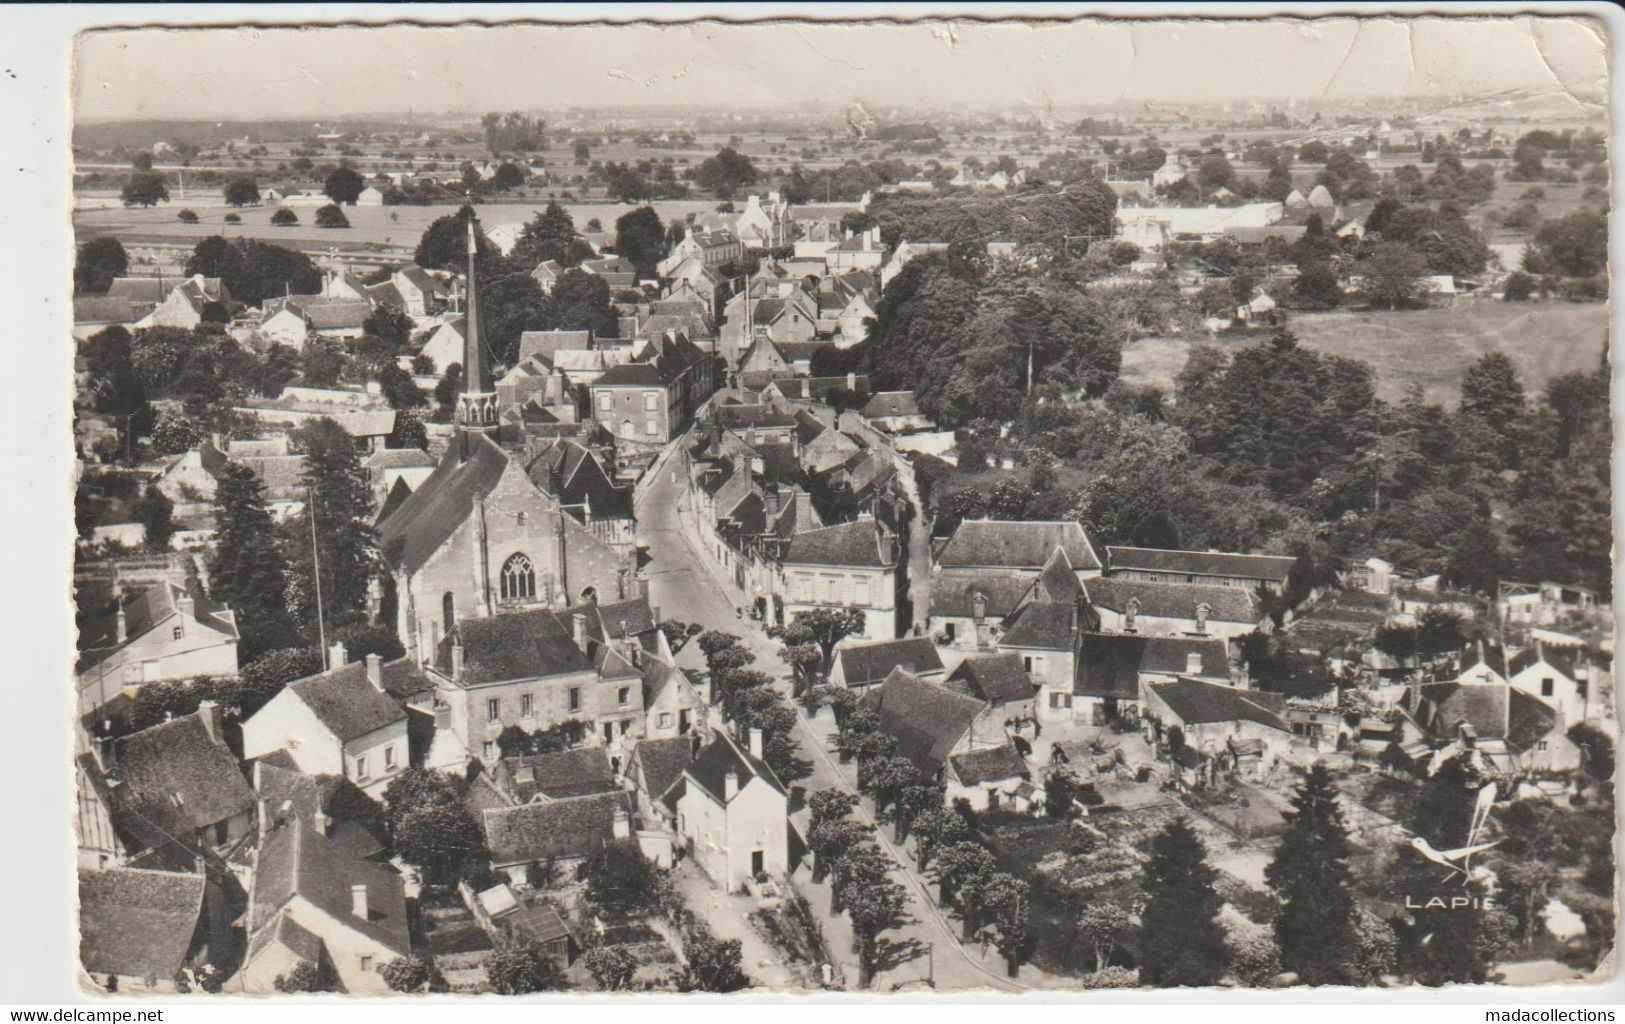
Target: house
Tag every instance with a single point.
(968, 606)
(988, 779)
(652, 399)
(1501, 728)
(1152, 227)
(315, 902)
(1001, 680)
(1201, 568)
(860, 251)
(421, 293)
(561, 775)
(1172, 172)
(93, 313)
(370, 196)
(338, 317)
(564, 832)
(547, 274)
(1483, 662)
(160, 632)
(480, 510)
(174, 790)
(1042, 629)
(350, 720)
(619, 273)
(388, 466)
(190, 479)
(1557, 677)
(895, 411)
(733, 813)
(712, 248)
(139, 929)
(533, 670)
(655, 765)
(1113, 670)
(932, 724)
(863, 665)
(673, 704)
(905, 252)
(366, 417)
(1019, 547)
(849, 565)
(179, 303)
(444, 345)
(764, 225)
(1213, 716)
(1173, 609)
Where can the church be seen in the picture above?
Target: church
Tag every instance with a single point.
(478, 537)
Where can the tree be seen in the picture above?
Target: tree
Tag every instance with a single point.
(679, 633)
(307, 977)
(1007, 897)
(248, 570)
(254, 271)
(546, 236)
(265, 676)
(98, 262)
(822, 629)
(144, 188)
(1596, 752)
(1317, 287)
(520, 970)
(1102, 927)
(413, 974)
(441, 840)
(242, 190)
(1392, 275)
(1571, 246)
(344, 185)
(874, 903)
(713, 965)
(726, 173)
(172, 435)
(141, 161)
(640, 237)
(340, 494)
(621, 879)
(580, 302)
(508, 177)
(444, 243)
(1491, 391)
(1520, 287)
(1181, 942)
(962, 867)
(937, 828)
(388, 324)
(187, 217)
(611, 966)
(1314, 929)
(330, 216)
(284, 218)
(828, 806)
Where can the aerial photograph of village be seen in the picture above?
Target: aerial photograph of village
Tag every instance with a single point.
(904, 507)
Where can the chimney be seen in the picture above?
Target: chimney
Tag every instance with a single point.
(770, 502)
(323, 825)
(1193, 663)
(851, 381)
(756, 743)
(803, 507)
(457, 662)
(375, 672)
(442, 716)
(623, 824)
(578, 629)
(358, 901)
(208, 712)
(122, 628)
(186, 606)
(335, 656)
(730, 786)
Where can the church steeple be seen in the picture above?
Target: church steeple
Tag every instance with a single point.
(477, 405)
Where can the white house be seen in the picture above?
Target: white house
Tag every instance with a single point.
(733, 813)
(159, 633)
(1554, 677)
(348, 721)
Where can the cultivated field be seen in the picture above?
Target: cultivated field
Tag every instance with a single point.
(1432, 346)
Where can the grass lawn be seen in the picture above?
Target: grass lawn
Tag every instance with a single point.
(1432, 346)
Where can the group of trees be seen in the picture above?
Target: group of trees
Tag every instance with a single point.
(514, 132)
(748, 701)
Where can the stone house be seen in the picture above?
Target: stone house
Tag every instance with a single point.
(849, 565)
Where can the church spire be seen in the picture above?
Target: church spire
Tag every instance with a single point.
(477, 405)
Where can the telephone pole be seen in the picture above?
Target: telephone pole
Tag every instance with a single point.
(316, 574)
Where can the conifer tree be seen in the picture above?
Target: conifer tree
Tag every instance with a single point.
(1315, 927)
(248, 568)
(340, 498)
(1181, 940)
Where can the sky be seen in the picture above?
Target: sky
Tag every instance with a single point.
(249, 72)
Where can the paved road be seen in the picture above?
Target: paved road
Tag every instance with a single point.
(683, 585)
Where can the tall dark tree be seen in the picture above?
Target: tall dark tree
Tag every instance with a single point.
(248, 570)
(580, 302)
(241, 190)
(115, 386)
(254, 271)
(726, 173)
(98, 262)
(546, 236)
(444, 244)
(341, 502)
(144, 188)
(344, 185)
(1310, 873)
(1490, 390)
(1181, 940)
(640, 238)
(156, 514)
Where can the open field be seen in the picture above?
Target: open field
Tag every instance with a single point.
(1431, 346)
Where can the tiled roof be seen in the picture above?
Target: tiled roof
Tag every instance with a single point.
(295, 860)
(518, 645)
(422, 523)
(1529, 720)
(866, 664)
(1197, 702)
(559, 775)
(1445, 707)
(998, 764)
(892, 403)
(546, 343)
(1201, 563)
(1110, 664)
(988, 543)
(926, 719)
(563, 828)
(663, 761)
(858, 543)
(1043, 625)
(1175, 600)
(742, 417)
(90, 309)
(348, 704)
(398, 458)
(710, 767)
(145, 610)
(178, 778)
(999, 678)
(953, 592)
(137, 923)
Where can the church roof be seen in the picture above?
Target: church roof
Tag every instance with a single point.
(428, 517)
